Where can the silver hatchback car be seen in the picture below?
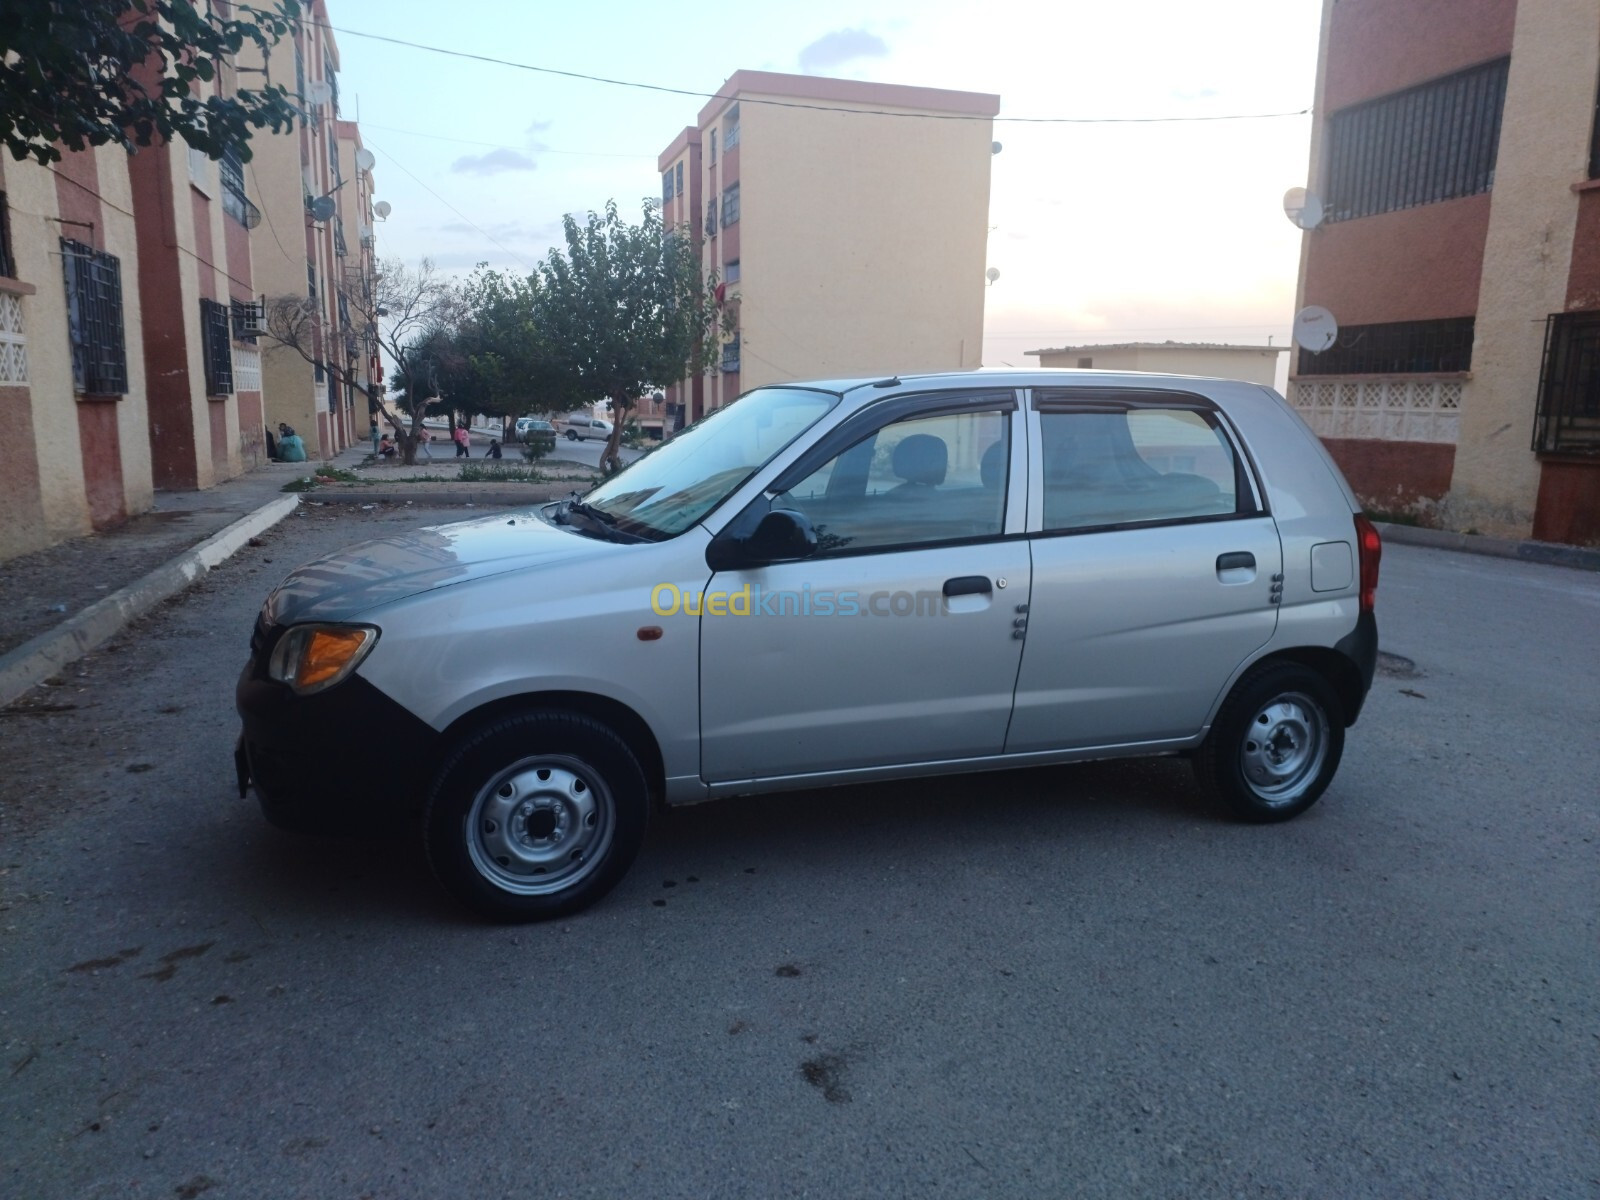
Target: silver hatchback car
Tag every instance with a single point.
(826, 583)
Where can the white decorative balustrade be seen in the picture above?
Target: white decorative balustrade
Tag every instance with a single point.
(246, 370)
(1395, 408)
(13, 342)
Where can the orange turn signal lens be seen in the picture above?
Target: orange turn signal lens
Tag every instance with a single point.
(310, 658)
(328, 654)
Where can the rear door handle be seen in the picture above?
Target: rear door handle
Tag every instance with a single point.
(968, 585)
(1238, 560)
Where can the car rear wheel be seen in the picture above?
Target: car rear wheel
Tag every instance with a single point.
(1275, 745)
(572, 435)
(536, 815)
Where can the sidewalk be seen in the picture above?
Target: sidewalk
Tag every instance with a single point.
(58, 604)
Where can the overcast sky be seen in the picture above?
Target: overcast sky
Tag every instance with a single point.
(1101, 233)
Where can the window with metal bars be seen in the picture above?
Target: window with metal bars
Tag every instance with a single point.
(234, 201)
(8, 265)
(1568, 419)
(1433, 142)
(94, 319)
(1397, 348)
(730, 206)
(730, 355)
(216, 346)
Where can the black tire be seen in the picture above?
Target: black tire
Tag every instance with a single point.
(1275, 745)
(572, 435)
(535, 815)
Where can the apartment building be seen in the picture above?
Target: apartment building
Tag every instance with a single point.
(75, 453)
(304, 189)
(198, 300)
(1457, 155)
(1253, 364)
(846, 222)
(360, 370)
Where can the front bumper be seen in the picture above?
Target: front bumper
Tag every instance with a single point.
(346, 759)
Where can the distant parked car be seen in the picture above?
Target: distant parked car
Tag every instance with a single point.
(532, 431)
(579, 426)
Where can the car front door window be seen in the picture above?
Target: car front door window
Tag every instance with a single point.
(916, 482)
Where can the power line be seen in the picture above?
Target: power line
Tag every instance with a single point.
(450, 206)
(874, 112)
(439, 137)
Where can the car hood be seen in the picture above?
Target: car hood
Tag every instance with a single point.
(369, 574)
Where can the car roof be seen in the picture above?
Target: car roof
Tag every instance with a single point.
(1002, 377)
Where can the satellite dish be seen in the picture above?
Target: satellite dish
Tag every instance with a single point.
(1315, 328)
(992, 274)
(366, 159)
(383, 208)
(319, 92)
(1303, 208)
(322, 208)
(994, 147)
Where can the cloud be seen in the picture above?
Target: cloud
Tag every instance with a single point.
(493, 163)
(841, 46)
(538, 127)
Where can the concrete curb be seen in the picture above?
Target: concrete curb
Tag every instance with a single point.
(39, 658)
(1582, 558)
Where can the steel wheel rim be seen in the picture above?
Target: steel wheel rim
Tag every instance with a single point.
(541, 825)
(1284, 747)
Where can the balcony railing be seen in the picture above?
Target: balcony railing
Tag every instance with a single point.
(13, 342)
(1397, 408)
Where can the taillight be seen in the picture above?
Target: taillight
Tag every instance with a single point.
(1370, 547)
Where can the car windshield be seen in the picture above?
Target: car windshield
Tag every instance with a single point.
(667, 490)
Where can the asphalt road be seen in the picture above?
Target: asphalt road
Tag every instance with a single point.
(1075, 981)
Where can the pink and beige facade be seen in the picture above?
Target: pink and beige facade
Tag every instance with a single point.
(130, 312)
(75, 454)
(306, 254)
(846, 222)
(1456, 152)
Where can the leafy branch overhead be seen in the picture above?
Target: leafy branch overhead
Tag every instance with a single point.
(86, 73)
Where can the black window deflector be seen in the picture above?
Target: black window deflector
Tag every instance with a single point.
(1103, 400)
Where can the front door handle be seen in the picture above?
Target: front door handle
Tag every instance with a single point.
(968, 585)
(1238, 560)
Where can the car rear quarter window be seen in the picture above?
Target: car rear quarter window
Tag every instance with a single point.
(1135, 466)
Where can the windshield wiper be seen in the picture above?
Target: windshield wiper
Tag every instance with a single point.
(597, 519)
(583, 509)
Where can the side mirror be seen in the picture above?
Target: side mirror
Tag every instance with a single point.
(781, 535)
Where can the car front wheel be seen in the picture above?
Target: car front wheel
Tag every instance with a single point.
(1275, 745)
(535, 815)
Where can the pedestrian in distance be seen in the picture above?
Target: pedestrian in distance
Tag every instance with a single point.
(385, 447)
(494, 448)
(463, 442)
(423, 448)
(374, 434)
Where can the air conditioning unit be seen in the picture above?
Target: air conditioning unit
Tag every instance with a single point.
(249, 318)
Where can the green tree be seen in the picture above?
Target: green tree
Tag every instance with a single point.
(521, 370)
(84, 73)
(624, 309)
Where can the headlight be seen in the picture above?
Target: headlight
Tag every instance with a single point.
(310, 658)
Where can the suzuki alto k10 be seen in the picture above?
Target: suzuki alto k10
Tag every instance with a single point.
(825, 583)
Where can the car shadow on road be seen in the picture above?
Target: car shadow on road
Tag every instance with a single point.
(1077, 800)
(304, 877)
